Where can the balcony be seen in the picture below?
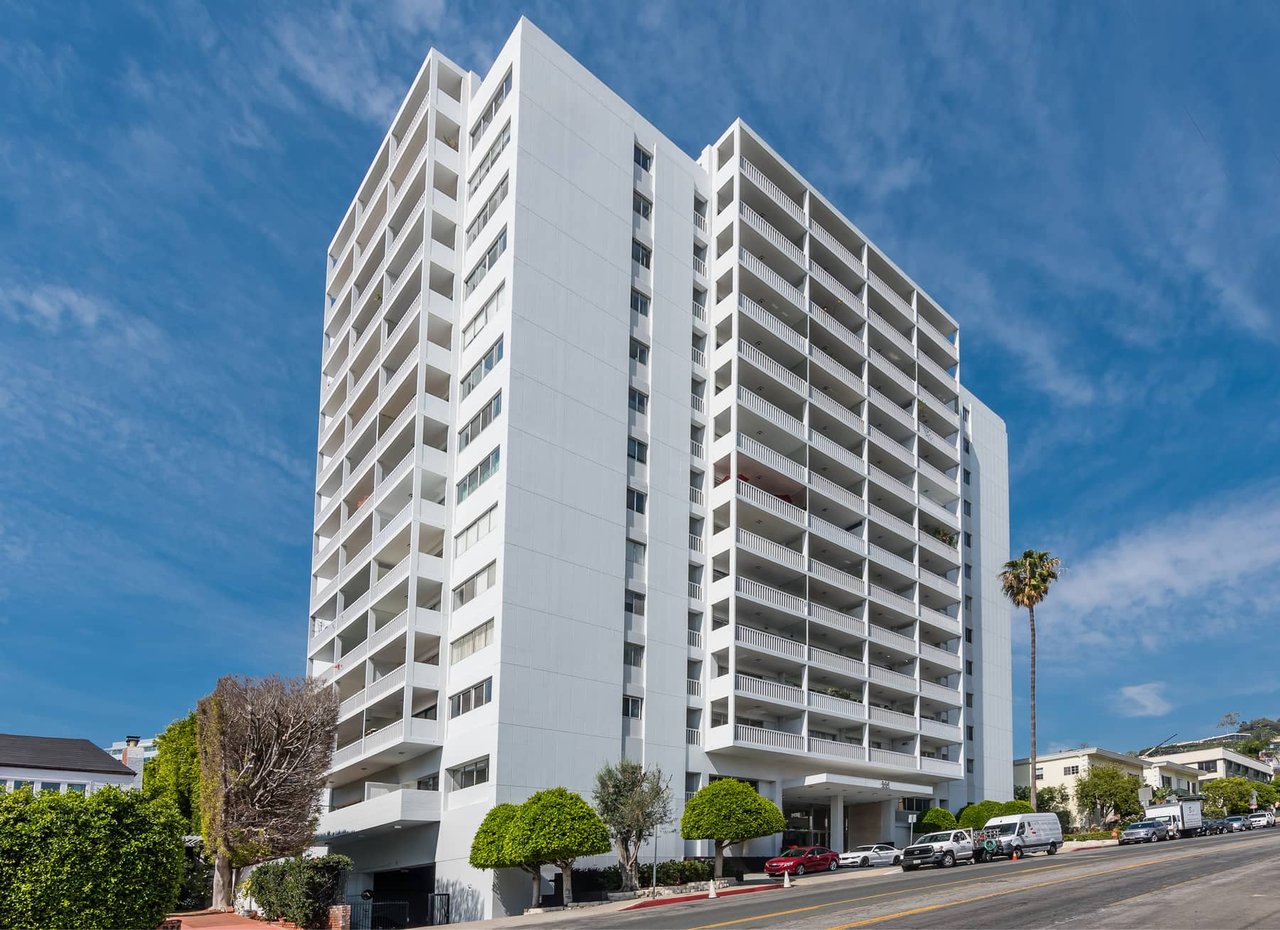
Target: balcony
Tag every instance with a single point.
(772, 235)
(842, 750)
(829, 242)
(944, 767)
(774, 691)
(382, 809)
(752, 310)
(944, 623)
(768, 642)
(892, 719)
(397, 742)
(841, 579)
(837, 662)
(842, 707)
(772, 191)
(781, 285)
(889, 599)
(838, 329)
(947, 732)
(761, 498)
(770, 412)
(723, 737)
(892, 296)
(828, 616)
(767, 548)
(840, 537)
(775, 460)
(835, 492)
(771, 597)
(753, 356)
(828, 281)
(837, 452)
(882, 364)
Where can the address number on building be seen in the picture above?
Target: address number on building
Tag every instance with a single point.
(884, 783)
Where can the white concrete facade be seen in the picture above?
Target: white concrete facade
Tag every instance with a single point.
(1221, 762)
(624, 452)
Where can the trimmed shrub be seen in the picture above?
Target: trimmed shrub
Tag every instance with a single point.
(975, 816)
(596, 882)
(1015, 807)
(299, 890)
(936, 819)
(683, 871)
(112, 859)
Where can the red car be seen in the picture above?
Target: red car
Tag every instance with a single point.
(801, 859)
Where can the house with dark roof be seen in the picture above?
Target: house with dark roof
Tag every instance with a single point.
(50, 763)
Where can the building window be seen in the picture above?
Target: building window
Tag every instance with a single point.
(968, 733)
(483, 316)
(636, 500)
(633, 603)
(966, 476)
(491, 110)
(968, 666)
(968, 602)
(475, 531)
(468, 644)
(968, 571)
(968, 766)
(481, 368)
(641, 205)
(489, 160)
(968, 699)
(638, 401)
(639, 352)
(635, 552)
(429, 783)
(968, 540)
(471, 774)
(1071, 770)
(1039, 774)
(965, 414)
(965, 440)
(631, 707)
(637, 451)
(643, 159)
(639, 302)
(916, 805)
(54, 787)
(486, 263)
(641, 254)
(476, 585)
(488, 413)
(77, 788)
(633, 655)
(968, 509)
(968, 634)
(490, 207)
(473, 697)
(478, 475)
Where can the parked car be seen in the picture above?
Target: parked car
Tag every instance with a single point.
(802, 859)
(1145, 831)
(1015, 835)
(1213, 828)
(1260, 819)
(943, 849)
(1237, 823)
(864, 857)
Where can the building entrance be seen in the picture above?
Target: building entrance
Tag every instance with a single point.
(807, 825)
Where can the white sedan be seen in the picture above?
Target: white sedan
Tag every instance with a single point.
(867, 856)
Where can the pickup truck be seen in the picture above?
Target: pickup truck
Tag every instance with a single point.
(943, 849)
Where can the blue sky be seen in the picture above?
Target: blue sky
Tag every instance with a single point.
(1091, 189)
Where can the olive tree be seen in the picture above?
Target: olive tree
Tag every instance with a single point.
(489, 847)
(1106, 792)
(728, 812)
(633, 802)
(265, 748)
(555, 826)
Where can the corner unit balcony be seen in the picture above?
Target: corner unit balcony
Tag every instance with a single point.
(389, 744)
(385, 807)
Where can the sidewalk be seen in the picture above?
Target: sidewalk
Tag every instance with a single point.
(212, 920)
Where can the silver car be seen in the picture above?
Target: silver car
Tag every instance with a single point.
(866, 856)
(1145, 831)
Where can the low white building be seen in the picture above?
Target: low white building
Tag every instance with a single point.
(1221, 762)
(47, 763)
(135, 752)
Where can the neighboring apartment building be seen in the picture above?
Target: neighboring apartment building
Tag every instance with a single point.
(629, 453)
(134, 752)
(1221, 762)
(1061, 769)
(47, 763)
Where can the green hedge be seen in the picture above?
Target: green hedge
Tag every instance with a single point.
(112, 859)
(670, 872)
(300, 890)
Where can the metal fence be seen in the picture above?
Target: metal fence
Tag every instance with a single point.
(394, 915)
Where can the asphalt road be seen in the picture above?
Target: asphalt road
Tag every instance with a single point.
(1206, 882)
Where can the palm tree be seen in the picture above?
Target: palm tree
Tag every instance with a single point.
(1025, 581)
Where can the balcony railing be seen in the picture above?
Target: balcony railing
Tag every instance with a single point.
(902, 453)
(881, 363)
(695, 591)
(836, 409)
(837, 535)
(828, 280)
(700, 221)
(939, 656)
(836, 576)
(841, 252)
(766, 501)
(889, 757)
(828, 747)
(838, 329)
(749, 636)
(700, 312)
(879, 634)
(938, 582)
(754, 311)
(892, 718)
(766, 229)
(774, 192)
(771, 412)
(885, 596)
(754, 356)
(837, 662)
(697, 403)
(889, 521)
(889, 560)
(945, 622)
(940, 730)
(834, 618)
(771, 457)
(770, 739)
(837, 452)
(891, 295)
(947, 767)
(699, 356)
(882, 402)
(829, 488)
(770, 549)
(695, 542)
(693, 687)
(890, 483)
(692, 737)
(696, 450)
(696, 496)
(771, 690)
(950, 695)
(837, 369)
(699, 265)
(771, 596)
(770, 277)
(837, 705)
(937, 371)
(937, 510)
(887, 676)
(695, 639)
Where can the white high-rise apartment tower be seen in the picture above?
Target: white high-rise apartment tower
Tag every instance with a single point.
(628, 453)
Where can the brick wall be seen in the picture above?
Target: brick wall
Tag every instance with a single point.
(339, 917)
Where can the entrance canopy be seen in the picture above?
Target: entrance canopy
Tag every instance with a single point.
(822, 787)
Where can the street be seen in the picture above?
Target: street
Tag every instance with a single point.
(1222, 881)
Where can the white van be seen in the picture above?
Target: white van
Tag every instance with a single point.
(1015, 835)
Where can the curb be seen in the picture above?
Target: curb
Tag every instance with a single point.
(686, 898)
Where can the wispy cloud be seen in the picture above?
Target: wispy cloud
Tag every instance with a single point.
(1144, 700)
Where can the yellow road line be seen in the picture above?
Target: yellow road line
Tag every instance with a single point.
(869, 897)
(869, 921)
